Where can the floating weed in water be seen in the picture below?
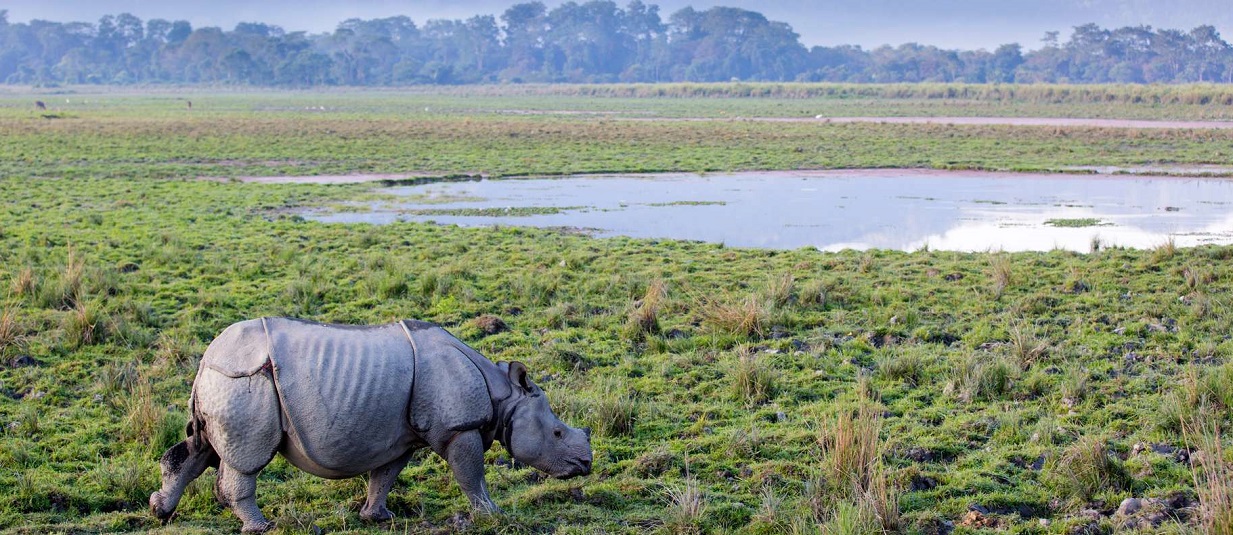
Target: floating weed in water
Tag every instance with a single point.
(510, 211)
(1077, 222)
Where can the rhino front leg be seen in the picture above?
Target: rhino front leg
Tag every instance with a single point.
(180, 465)
(465, 455)
(380, 481)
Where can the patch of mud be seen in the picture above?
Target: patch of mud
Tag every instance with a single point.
(1157, 170)
(387, 179)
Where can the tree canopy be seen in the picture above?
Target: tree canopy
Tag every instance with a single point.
(593, 42)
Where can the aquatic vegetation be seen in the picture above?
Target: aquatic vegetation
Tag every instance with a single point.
(1077, 222)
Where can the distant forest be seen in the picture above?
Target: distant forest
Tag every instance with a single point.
(591, 42)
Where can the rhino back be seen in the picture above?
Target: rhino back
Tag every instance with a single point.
(345, 391)
(239, 351)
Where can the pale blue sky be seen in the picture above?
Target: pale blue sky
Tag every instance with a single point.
(947, 23)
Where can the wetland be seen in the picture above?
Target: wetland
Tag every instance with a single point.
(904, 210)
(755, 389)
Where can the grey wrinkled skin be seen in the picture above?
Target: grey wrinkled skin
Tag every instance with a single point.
(340, 401)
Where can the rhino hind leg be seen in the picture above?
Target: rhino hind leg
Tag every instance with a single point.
(180, 465)
(244, 428)
(380, 481)
(241, 490)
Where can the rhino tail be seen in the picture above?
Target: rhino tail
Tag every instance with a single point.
(195, 430)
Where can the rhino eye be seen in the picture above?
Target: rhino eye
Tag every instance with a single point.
(556, 433)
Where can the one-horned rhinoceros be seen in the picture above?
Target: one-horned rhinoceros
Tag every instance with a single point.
(338, 401)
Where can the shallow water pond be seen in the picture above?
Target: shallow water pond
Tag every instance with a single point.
(832, 210)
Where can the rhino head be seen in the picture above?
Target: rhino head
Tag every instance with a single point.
(534, 435)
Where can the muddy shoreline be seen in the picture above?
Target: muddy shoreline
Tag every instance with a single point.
(1175, 171)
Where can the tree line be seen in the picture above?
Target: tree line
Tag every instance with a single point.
(591, 42)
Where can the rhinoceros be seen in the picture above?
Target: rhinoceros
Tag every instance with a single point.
(338, 401)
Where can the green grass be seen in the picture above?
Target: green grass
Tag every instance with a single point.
(731, 389)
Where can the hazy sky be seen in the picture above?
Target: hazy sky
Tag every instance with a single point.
(964, 24)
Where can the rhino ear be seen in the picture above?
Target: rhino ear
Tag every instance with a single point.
(518, 376)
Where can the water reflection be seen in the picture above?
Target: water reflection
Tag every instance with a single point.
(886, 209)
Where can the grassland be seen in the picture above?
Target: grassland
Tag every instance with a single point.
(732, 390)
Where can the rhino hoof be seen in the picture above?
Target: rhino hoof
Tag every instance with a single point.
(381, 515)
(156, 507)
(258, 527)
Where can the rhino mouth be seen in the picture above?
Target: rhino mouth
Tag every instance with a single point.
(576, 468)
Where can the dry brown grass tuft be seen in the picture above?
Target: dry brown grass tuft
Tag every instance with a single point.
(780, 290)
(686, 505)
(852, 464)
(1000, 273)
(753, 379)
(1027, 347)
(143, 415)
(1212, 474)
(24, 283)
(644, 317)
(84, 325)
(745, 318)
(10, 330)
(1164, 251)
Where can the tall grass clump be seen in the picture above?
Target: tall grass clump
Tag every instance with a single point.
(753, 379)
(644, 315)
(686, 506)
(10, 330)
(1211, 472)
(85, 325)
(979, 377)
(853, 469)
(178, 346)
(1083, 470)
(1164, 251)
(748, 317)
(386, 284)
(813, 294)
(906, 366)
(24, 283)
(65, 290)
(999, 274)
(613, 411)
(780, 290)
(143, 416)
(1027, 347)
(304, 294)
